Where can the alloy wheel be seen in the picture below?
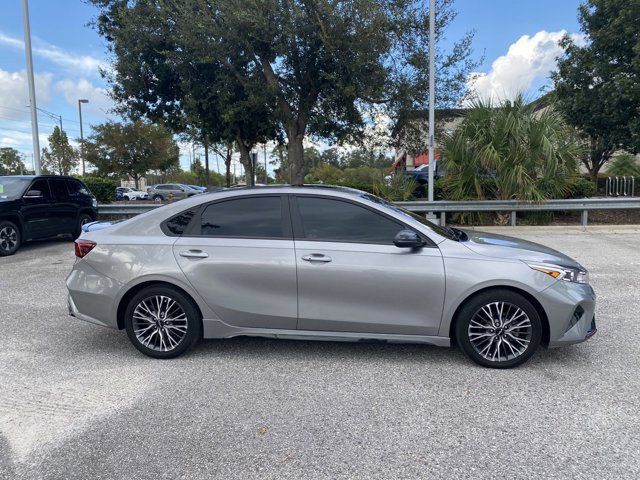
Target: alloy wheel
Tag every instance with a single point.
(500, 331)
(8, 238)
(159, 323)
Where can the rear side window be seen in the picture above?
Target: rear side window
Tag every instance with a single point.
(77, 188)
(337, 221)
(58, 188)
(244, 217)
(178, 224)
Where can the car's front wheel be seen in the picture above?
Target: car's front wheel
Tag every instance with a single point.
(83, 219)
(9, 238)
(498, 329)
(162, 322)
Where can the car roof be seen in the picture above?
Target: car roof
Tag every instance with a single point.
(30, 177)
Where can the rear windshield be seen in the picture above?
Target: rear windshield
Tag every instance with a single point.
(13, 187)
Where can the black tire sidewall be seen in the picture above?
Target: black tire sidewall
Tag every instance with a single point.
(471, 307)
(7, 223)
(194, 321)
(78, 231)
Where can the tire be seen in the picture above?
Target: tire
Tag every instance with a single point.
(507, 338)
(83, 219)
(10, 238)
(157, 198)
(159, 336)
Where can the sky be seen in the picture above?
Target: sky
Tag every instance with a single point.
(516, 38)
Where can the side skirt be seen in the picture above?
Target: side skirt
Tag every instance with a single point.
(219, 329)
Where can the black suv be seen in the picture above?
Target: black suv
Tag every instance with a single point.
(33, 207)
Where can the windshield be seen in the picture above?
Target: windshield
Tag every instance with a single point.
(444, 232)
(13, 187)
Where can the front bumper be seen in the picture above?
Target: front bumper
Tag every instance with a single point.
(570, 310)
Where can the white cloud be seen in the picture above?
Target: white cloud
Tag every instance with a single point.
(14, 93)
(99, 100)
(529, 59)
(85, 64)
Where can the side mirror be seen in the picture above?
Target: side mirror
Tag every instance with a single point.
(408, 239)
(34, 194)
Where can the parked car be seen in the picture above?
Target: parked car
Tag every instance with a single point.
(325, 263)
(175, 191)
(128, 193)
(35, 207)
(118, 194)
(198, 188)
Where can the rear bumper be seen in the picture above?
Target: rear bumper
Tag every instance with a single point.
(92, 295)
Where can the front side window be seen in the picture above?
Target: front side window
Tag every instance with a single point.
(259, 217)
(42, 186)
(338, 221)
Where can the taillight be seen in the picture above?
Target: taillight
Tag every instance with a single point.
(83, 247)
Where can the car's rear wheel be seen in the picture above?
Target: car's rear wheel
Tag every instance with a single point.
(83, 219)
(9, 238)
(162, 322)
(498, 329)
(157, 198)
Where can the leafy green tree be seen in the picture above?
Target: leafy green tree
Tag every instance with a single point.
(132, 149)
(597, 85)
(624, 165)
(161, 72)
(510, 151)
(11, 162)
(60, 157)
(320, 64)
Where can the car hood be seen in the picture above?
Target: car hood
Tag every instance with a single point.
(7, 204)
(501, 246)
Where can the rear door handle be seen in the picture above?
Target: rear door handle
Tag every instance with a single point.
(316, 257)
(194, 254)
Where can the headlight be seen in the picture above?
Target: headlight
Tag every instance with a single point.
(567, 274)
(94, 202)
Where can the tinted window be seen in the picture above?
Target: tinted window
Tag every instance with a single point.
(244, 217)
(41, 185)
(178, 224)
(75, 187)
(338, 221)
(58, 188)
(162, 187)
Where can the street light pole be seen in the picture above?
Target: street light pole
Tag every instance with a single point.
(32, 87)
(80, 102)
(432, 83)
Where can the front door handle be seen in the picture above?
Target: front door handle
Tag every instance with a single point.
(316, 257)
(194, 254)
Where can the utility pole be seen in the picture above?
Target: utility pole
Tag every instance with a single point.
(80, 102)
(266, 173)
(32, 87)
(432, 96)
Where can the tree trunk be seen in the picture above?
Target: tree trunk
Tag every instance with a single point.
(227, 165)
(245, 160)
(206, 162)
(295, 154)
(136, 181)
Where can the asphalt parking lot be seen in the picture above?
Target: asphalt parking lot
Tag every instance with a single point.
(77, 401)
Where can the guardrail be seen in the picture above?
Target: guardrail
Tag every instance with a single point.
(582, 204)
(443, 207)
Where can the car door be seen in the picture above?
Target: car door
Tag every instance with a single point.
(352, 278)
(238, 254)
(36, 210)
(64, 211)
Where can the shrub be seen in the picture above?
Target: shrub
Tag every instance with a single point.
(103, 188)
(624, 165)
(581, 187)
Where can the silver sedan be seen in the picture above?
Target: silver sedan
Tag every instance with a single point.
(324, 263)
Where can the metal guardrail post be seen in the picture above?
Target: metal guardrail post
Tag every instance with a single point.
(584, 218)
(443, 218)
(513, 218)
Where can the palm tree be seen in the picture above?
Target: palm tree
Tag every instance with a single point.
(510, 151)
